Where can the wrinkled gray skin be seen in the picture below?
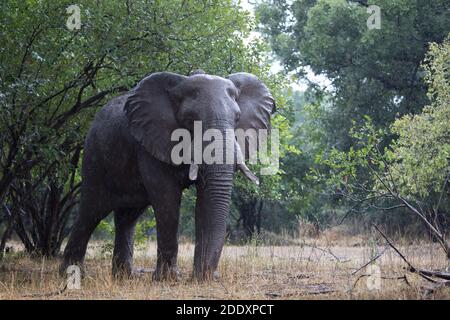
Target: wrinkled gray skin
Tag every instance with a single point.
(127, 166)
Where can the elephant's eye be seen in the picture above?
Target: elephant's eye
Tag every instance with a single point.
(232, 93)
(238, 116)
(189, 116)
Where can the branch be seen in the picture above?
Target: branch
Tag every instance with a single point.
(370, 261)
(434, 229)
(361, 2)
(61, 120)
(426, 274)
(389, 208)
(436, 232)
(442, 193)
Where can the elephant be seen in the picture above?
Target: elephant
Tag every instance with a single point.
(127, 166)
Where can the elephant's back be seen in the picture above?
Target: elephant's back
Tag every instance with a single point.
(109, 146)
(112, 112)
(110, 125)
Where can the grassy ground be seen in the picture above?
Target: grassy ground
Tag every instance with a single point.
(309, 271)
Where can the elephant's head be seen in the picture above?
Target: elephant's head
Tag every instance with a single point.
(164, 102)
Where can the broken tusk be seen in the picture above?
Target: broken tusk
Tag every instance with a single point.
(250, 175)
(242, 166)
(193, 171)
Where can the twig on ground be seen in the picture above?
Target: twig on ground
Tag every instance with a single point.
(370, 261)
(47, 294)
(311, 289)
(223, 286)
(384, 278)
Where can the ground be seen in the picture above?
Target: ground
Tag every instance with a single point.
(312, 270)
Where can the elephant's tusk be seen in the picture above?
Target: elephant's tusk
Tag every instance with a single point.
(242, 166)
(250, 175)
(193, 171)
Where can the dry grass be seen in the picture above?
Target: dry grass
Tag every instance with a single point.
(247, 272)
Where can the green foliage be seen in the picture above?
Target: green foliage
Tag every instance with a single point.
(343, 169)
(420, 157)
(344, 133)
(146, 224)
(416, 165)
(368, 132)
(374, 72)
(105, 228)
(187, 210)
(145, 228)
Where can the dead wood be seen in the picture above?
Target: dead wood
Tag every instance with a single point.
(426, 274)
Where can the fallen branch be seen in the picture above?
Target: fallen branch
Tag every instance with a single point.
(426, 274)
(437, 274)
(384, 278)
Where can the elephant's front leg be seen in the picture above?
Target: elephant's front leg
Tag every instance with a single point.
(167, 220)
(125, 222)
(164, 191)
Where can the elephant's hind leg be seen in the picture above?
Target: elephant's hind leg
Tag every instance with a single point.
(93, 209)
(125, 222)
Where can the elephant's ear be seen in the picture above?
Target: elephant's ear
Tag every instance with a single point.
(255, 101)
(151, 113)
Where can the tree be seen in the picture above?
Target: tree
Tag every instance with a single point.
(413, 172)
(421, 155)
(374, 72)
(41, 205)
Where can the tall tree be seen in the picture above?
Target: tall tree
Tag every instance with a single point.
(374, 72)
(413, 173)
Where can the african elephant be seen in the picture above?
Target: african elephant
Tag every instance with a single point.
(127, 166)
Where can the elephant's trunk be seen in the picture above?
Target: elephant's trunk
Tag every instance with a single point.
(213, 203)
(211, 213)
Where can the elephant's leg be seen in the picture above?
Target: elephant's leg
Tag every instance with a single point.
(164, 191)
(125, 222)
(92, 211)
(167, 220)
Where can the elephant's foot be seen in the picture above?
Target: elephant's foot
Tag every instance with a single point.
(122, 266)
(62, 269)
(166, 274)
(205, 276)
(122, 270)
